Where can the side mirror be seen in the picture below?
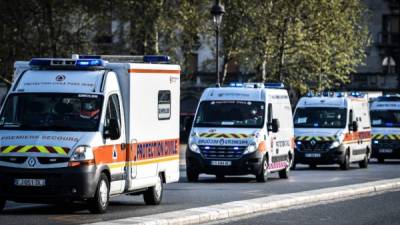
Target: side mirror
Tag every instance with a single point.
(112, 131)
(273, 126)
(353, 126)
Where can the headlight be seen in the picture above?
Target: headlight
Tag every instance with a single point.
(82, 153)
(250, 148)
(335, 144)
(194, 148)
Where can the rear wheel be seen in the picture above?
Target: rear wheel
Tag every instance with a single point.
(192, 174)
(99, 203)
(284, 174)
(346, 163)
(153, 195)
(2, 204)
(381, 160)
(364, 163)
(262, 176)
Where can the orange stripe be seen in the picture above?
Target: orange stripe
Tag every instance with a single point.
(154, 71)
(104, 154)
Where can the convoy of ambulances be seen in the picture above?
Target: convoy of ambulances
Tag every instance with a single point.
(87, 128)
(332, 128)
(385, 121)
(242, 129)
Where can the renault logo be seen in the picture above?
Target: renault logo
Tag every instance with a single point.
(221, 141)
(313, 142)
(31, 162)
(60, 77)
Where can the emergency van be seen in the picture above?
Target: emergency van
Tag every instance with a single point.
(385, 120)
(239, 130)
(332, 128)
(87, 128)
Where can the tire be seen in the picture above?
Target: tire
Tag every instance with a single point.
(220, 176)
(381, 160)
(262, 176)
(284, 174)
(192, 175)
(153, 195)
(364, 163)
(2, 204)
(346, 164)
(312, 166)
(99, 203)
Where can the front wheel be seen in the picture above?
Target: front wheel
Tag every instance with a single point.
(153, 195)
(346, 163)
(364, 163)
(99, 203)
(262, 176)
(2, 204)
(191, 174)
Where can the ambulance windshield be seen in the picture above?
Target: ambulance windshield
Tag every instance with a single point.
(51, 111)
(246, 114)
(385, 118)
(319, 117)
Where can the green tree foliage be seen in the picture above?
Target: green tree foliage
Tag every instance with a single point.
(299, 42)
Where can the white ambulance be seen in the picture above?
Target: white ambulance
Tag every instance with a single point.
(86, 129)
(332, 128)
(242, 129)
(385, 120)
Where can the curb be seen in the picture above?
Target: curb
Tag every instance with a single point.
(245, 207)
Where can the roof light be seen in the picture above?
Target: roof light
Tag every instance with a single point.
(155, 58)
(89, 57)
(89, 62)
(236, 84)
(310, 94)
(339, 94)
(66, 63)
(274, 85)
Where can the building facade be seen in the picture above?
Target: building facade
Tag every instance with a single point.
(381, 69)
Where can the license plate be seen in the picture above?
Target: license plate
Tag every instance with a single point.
(313, 155)
(221, 163)
(30, 182)
(385, 150)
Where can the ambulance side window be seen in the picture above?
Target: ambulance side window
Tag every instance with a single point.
(164, 105)
(112, 123)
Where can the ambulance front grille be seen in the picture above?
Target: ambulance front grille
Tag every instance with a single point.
(222, 152)
(315, 146)
(393, 144)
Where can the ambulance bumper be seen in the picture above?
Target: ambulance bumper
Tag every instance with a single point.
(60, 184)
(246, 164)
(386, 149)
(332, 156)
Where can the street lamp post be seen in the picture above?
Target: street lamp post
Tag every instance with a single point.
(217, 11)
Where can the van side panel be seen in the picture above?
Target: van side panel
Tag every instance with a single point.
(154, 134)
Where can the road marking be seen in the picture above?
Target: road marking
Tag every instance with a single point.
(234, 209)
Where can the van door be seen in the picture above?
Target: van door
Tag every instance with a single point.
(272, 135)
(115, 147)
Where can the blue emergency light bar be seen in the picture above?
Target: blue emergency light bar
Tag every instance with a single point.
(236, 85)
(274, 85)
(67, 63)
(155, 58)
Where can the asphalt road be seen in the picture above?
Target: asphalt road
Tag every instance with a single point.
(206, 192)
(377, 209)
